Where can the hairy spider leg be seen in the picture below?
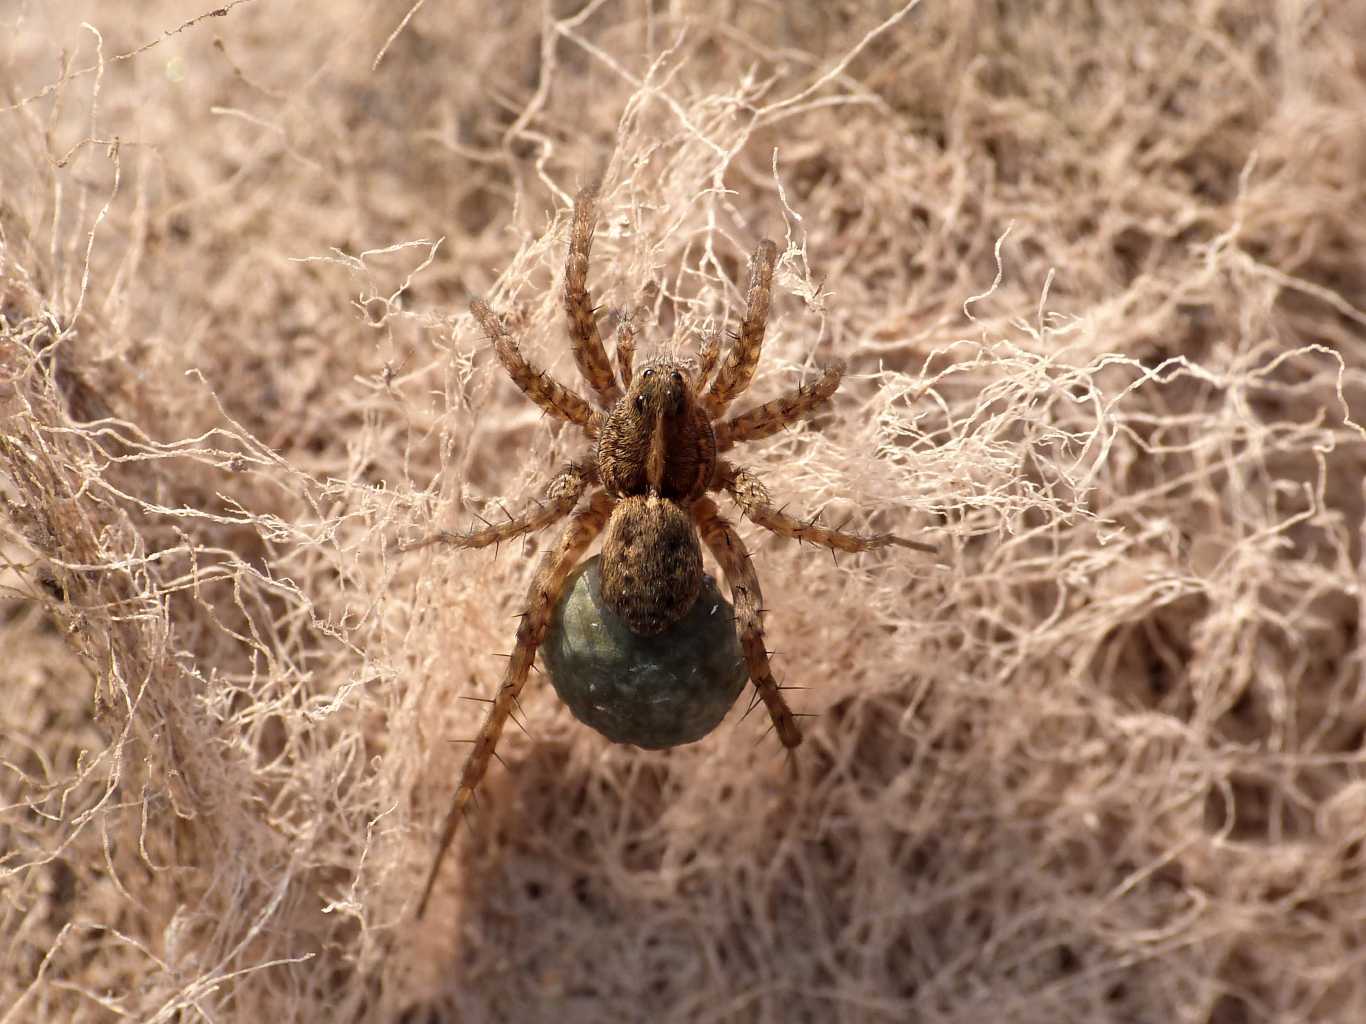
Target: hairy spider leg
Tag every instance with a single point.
(545, 591)
(752, 496)
(548, 393)
(729, 551)
(562, 495)
(584, 338)
(767, 419)
(737, 369)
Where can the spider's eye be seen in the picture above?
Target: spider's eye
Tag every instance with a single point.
(647, 373)
(676, 377)
(640, 401)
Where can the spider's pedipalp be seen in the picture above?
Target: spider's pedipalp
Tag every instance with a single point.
(771, 417)
(627, 331)
(545, 592)
(752, 496)
(737, 369)
(584, 337)
(729, 551)
(707, 356)
(543, 389)
(562, 495)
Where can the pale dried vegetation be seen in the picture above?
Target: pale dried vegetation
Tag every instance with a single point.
(1099, 271)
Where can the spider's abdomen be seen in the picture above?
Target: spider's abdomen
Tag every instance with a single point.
(651, 563)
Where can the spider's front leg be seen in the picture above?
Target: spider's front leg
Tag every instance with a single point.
(729, 551)
(545, 592)
(767, 419)
(562, 495)
(752, 496)
(737, 369)
(584, 337)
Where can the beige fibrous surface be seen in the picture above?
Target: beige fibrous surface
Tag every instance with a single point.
(1098, 273)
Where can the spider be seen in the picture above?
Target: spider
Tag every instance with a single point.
(661, 432)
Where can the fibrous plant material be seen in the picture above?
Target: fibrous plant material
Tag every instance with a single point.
(1101, 762)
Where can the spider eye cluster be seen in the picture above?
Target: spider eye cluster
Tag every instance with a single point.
(675, 379)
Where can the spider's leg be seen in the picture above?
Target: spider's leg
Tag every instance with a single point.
(545, 591)
(771, 417)
(729, 550)
(578, 304)
(748, 490)
(543, 389)
(737, 369)
(562, 495)
(627, 331)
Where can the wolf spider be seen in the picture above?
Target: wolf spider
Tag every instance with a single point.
(660, 436)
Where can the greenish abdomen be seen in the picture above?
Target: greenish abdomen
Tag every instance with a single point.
(652, 691)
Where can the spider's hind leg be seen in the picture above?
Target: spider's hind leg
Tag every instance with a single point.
(545, 592)
(729, 550)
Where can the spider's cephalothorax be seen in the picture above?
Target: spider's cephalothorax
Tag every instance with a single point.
(657, 438)
(659, 453)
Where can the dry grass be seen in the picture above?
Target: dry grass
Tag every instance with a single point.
(1103, 763)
